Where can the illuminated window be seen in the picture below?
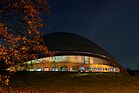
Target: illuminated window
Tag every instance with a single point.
(31, 69)
(117, 70)
(55, 69)
(82, 68)
(64, 68)
(46, 69)
(86, 59)
(91, 68)
(95, 68)
(111, 69)
(99, 69)
(70, 69)
(39, 69)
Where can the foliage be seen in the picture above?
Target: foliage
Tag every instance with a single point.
(20, 25)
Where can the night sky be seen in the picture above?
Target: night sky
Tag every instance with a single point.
(112, 24)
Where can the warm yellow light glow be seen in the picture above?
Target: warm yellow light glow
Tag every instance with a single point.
(67, 63)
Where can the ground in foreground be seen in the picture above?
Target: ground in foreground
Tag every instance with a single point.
(66, 82)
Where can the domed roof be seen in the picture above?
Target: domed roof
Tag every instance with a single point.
(69, 43)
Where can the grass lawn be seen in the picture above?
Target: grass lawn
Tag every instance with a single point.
(66, 82)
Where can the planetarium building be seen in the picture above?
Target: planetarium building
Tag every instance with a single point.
(74, 53)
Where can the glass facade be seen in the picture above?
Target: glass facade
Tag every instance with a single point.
(72, 63)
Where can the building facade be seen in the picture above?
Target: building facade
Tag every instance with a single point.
(74, 53)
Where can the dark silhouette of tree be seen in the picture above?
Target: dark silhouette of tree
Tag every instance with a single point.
(20, 25)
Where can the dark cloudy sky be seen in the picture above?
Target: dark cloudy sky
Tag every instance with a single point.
(112, 24)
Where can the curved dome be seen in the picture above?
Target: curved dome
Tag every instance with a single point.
(73, 53)
(68, 43)
(71, 44)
